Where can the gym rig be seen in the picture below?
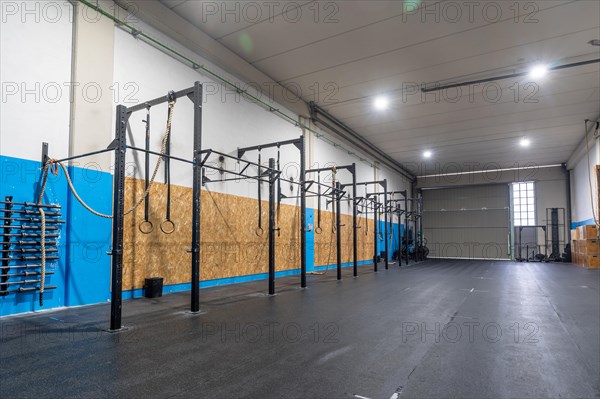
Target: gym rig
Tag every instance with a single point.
(250, 170)
(336, 192)
(413, 244)
(554, 239)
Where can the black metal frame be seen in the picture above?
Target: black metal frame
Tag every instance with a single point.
(119, 145)
(417, 214)
(338, 197)
(272, 178)
(382, 183)
(272, 174)
(554, 216)
(526, 259)
(200, 157)
(394, 207)
(300, 145)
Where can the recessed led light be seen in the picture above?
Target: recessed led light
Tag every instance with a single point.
(525, 142)
(381, 103)
(427, 154)
(538, 71)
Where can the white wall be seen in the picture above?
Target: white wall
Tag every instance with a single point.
(93, 104)
(35, 71)
(127, 71)
(229, 121)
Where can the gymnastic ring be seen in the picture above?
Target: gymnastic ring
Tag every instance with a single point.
(167, 222)
(259, 231)
(144, 230)
(318, 230)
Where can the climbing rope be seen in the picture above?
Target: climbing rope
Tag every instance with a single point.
(150, 182)
(43, 231)
(51, 166)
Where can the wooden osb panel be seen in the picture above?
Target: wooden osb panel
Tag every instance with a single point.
(229, 245)
(325, 243)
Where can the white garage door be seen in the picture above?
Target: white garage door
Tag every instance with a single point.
(467, 222)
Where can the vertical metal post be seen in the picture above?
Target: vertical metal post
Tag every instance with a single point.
(116, 284)
(399, 239)
(375, 229)
(520, 244)
(338, 230)
(302, 212)
(196, 198)
(354, 223)
(413, 233)
(272, 177)
(44, 153)
(406, 226)
(555, 236)
(421, 253)
(385, 225)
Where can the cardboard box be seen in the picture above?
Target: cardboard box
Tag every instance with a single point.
(587, 232)
(592, 261)
(574, 235)
(589, 247)
(574, 258)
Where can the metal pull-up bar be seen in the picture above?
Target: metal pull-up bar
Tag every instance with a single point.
(382, 183)
(352, 169)
(120, 146)
(266, 175)
(300, 145)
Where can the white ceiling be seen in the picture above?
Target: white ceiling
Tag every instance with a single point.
(367, 48)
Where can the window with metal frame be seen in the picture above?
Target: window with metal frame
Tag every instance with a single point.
(524, 204)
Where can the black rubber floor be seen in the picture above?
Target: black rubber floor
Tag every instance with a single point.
(439, 329)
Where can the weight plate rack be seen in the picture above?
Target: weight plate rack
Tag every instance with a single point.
(20, 243)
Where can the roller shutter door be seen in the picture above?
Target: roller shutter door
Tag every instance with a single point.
(467, 222)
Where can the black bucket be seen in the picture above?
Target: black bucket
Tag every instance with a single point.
(153, 287)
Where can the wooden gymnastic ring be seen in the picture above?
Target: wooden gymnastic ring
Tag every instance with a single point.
(167, 222)
(259, 231)
(318, 230)
(146, 230)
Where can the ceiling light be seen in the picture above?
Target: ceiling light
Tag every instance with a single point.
(381, 103)
(525, 142)
(538, 71)
(427, 154)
